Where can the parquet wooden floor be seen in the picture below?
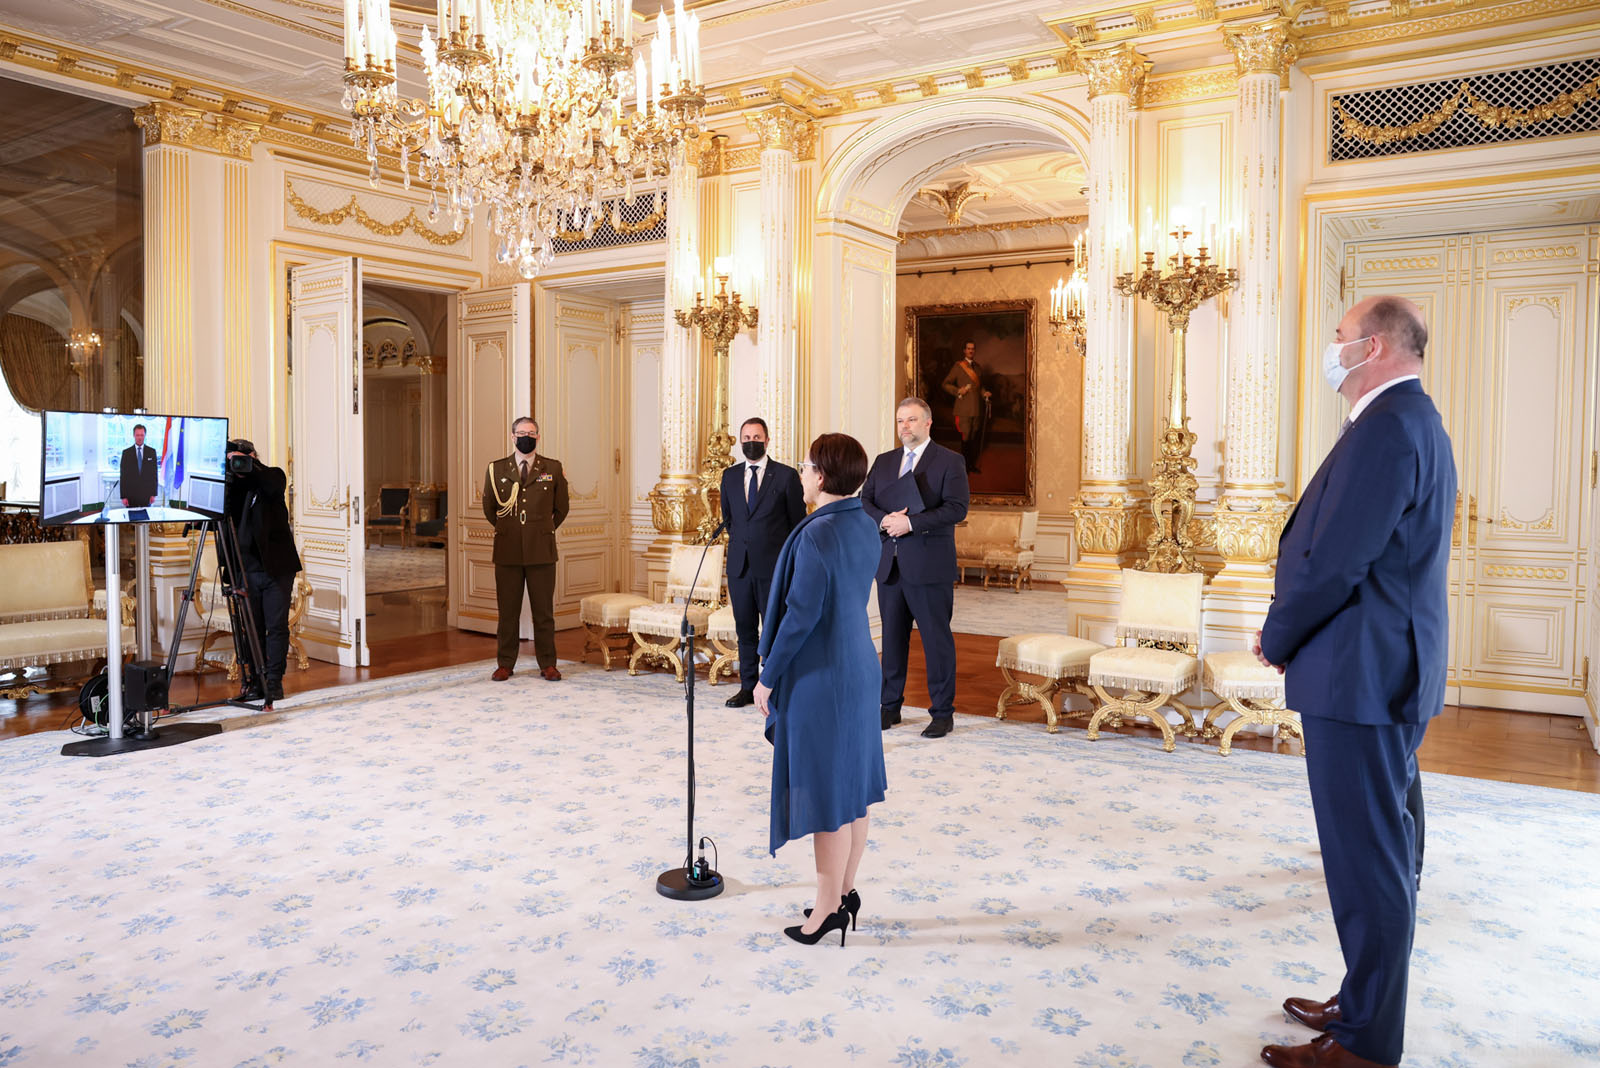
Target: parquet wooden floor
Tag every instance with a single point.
(1480, 743)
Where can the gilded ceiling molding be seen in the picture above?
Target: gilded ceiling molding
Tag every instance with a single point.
(784, 129)
(1119, 69)
(994, 228)
(1269, 47)
(1206, 84)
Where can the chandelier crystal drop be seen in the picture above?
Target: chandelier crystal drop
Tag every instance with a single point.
(528, 110)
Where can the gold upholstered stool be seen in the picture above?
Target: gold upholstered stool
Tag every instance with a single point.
(1060, 661)
(724, 635)
(605, 619)
(1162, 614)
(1252, 691)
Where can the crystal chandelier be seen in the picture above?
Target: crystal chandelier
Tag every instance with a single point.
(526, 110)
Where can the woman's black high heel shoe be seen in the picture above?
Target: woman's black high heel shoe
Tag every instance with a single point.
(851, 903)
(839, 921)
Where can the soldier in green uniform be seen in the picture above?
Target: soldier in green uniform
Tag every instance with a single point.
(525, 498)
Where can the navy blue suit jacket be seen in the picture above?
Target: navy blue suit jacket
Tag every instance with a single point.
(928, 553)
(755, 539)
(1359, 616)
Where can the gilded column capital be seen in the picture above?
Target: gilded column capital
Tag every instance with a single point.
(713, 154)
(167, 124)
(236, 137)
(783, 128)
(1119, 69)
(1269, 47)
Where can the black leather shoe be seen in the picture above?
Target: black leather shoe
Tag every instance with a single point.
(891, 716)
(941, 726)
(740, 699)
(274, 689)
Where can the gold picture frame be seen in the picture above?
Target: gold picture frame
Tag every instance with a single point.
(1002, 332)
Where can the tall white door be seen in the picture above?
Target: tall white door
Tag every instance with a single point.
(490, 384)
(1510, 364)
(581, 395)
(326, 434)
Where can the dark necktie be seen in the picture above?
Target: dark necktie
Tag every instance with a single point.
(750, 494)
(1344, 426)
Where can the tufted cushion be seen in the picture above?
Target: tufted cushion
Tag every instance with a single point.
(609, 609)
(45, 580)
(665, 620)
(55, 641)
(1238, 674)
(1055, 656)
(722, 626)
(1144, 669)
(681, 570)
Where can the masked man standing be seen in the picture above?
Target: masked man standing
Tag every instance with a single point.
(525, 500)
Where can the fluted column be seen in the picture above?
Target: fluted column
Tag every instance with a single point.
(1251, 515)
(169, 251)
(1105, 519)
(673, 506)
(786, 134)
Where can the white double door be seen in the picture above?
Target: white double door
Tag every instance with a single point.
(1511, 364)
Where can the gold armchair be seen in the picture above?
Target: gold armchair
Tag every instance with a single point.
(655, 627)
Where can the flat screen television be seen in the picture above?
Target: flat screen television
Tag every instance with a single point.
(103, 467)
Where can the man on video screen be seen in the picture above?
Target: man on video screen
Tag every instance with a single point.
(140, 471)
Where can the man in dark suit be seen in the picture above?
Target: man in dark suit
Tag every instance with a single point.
(917, 494)
(525, 499)
(1359, 622)
(254, 501)
(964, 383)
(761, 502)
(140, 471)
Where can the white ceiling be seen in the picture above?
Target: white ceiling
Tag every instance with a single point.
(1023, 184)
(290, 50)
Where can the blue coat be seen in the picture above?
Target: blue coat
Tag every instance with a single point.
(817, 656)
(1359, 614)
(928, 553)
(756, 538)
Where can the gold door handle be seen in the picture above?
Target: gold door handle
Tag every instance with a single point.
(1472, 520)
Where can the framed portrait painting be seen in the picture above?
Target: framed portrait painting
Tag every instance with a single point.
(973, 364)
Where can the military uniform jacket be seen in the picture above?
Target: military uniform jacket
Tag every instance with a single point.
(525, 513)
(969, 407)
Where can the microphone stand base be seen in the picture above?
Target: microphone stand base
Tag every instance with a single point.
(680, 885)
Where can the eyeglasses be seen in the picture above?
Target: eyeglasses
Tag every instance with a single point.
(808, 463)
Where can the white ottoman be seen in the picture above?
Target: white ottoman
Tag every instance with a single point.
(1250, 690)
(657, 628)
(605, 617)
(1060, 660)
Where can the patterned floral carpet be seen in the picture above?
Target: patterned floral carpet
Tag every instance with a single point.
(1003, 612)
(444, 870)
(391, 569)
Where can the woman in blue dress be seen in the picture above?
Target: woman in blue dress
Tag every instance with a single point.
(820, 680)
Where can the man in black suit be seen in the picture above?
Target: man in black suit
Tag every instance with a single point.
(140, 471)
(761, 503)
(254, 503)
(917, 494)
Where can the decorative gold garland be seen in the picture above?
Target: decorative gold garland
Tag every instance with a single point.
(1491, 115)
(620, 225)
(408, 221)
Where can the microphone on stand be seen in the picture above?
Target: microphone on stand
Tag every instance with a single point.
(696, 880)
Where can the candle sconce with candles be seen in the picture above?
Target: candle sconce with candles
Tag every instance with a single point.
(718, 322)
(1068, 303)
(1186, 282)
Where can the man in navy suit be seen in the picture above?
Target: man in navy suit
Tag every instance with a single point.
(917, 494)
(139, 474)
(761, 503)
(1359, 623)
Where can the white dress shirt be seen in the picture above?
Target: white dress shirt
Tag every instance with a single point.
(916, 454)
(1365, 402)
(760, 468)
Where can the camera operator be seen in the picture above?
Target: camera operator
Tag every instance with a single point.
(255, 504)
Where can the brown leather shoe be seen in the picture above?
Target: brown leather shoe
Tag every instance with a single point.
(1316, 1015)
(1320, 1052)
(551, 674)
(501, 674)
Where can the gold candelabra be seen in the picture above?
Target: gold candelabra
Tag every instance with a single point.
(719, 322)
(1068, 301)
(1187, 282)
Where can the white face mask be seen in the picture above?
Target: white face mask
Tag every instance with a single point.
(1332, 369)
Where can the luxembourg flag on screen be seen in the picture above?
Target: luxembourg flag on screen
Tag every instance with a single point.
(175, 484)
(165, 462)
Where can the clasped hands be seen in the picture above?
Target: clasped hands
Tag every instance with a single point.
(1255, 647)
(896, 524)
